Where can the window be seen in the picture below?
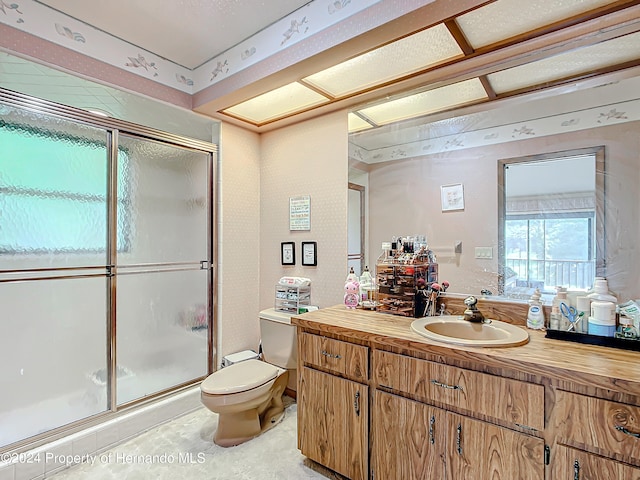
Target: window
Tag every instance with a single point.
(53, 191)
(543, 251)
(551, 221)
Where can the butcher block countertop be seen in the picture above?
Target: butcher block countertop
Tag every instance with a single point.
(603, 368)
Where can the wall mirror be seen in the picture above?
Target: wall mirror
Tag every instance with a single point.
(550, 222)
(556, 144)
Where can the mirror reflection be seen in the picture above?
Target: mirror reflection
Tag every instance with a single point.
(548, 230)
(532, 171)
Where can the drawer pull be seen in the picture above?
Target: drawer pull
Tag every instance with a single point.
(330, 355)
(444, 385)
(432, 426)
(356, 403)
(459, 438)
(576, 470)
(627, 432)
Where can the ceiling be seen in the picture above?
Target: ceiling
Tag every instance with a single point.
(188, 32)
(498, 50)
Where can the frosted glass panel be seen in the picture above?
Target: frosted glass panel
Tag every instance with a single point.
(162, 331)
(53, 191)
(167, 188)
(53, 351)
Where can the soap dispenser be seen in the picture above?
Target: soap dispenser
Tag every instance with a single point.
(535, 317)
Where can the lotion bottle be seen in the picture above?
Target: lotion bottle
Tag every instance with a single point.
(535, 317)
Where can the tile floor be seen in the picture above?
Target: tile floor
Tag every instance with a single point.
(183, 448)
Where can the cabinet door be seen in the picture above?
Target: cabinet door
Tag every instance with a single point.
(333, 420)
(571, 464)
(408, 439)
(479, 450)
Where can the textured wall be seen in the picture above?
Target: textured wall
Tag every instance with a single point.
(239, 248)
(309, 158)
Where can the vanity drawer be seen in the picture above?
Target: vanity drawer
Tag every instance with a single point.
(336, 356)
(600, 426)
(504, 399)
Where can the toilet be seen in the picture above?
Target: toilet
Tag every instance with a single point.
(247, 396)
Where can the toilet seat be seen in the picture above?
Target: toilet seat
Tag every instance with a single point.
(239, 377)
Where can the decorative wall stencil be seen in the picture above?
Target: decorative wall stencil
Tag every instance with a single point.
(569, 123)
(337, 5)
(183, 79)
(524, 130)
(247, 53)
(455, 142)
(221, 67)
(110, 49)
(140, 62)
(9, 6)
(67, 32)
(293, 29)
(628, 111)
(613, 113)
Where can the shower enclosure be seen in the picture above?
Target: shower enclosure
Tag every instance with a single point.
(106, 266)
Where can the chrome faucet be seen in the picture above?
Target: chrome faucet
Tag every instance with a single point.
(472, 314)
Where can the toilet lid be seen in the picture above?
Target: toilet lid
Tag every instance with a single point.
(239, 377)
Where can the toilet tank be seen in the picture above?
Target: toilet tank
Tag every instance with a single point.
(278, 339)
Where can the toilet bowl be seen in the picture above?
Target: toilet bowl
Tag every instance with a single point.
(247, 396)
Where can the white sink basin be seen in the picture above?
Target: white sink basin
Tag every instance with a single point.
(456, 330)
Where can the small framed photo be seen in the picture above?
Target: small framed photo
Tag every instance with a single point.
(452, 197)
(309, 254)
(288, 253)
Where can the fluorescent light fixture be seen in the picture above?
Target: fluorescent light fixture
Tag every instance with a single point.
(568, 64)
(357, 124)
(278, 103)
(507, 18)
(402, 57)
(427, 102)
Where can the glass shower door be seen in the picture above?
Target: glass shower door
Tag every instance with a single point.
(53, 272)
(162, 275)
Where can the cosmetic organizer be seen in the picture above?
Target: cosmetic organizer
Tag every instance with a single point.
(398, 284)
(290, 298)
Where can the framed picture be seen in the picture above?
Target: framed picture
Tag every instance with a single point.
(309, 254)
(452, 197)
(288, 253)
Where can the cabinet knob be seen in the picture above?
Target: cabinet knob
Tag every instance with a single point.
(576, 470)
(356, 403)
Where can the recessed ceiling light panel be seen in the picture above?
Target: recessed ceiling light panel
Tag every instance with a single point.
(427, 102)
(565, 65)
(504, 19)
(278, 103)
(402, 57)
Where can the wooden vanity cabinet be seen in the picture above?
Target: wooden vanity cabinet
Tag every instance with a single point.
(594, 436)
(333, 405)
(538, 412)
(408, 438)
(415, 440)
(573, 464)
